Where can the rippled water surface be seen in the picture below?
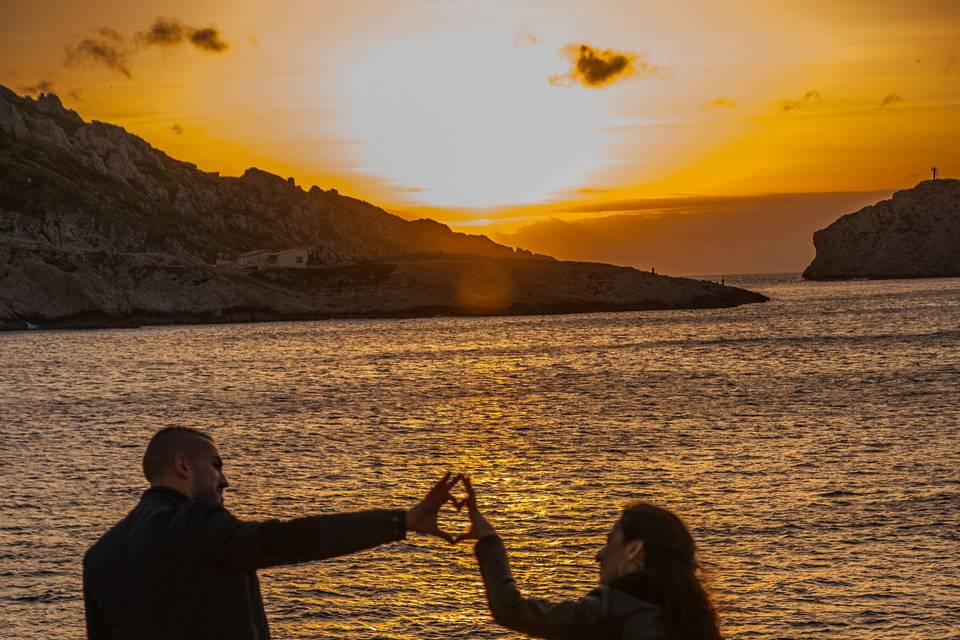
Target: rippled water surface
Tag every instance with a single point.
(811, 443)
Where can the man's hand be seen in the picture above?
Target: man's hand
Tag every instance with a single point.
(479, 525)
(423, 517)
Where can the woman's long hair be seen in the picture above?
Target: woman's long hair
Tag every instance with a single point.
(671, 561)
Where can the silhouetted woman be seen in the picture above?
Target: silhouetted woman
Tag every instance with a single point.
(649, 584)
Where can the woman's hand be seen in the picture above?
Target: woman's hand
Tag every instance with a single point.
(479, 525)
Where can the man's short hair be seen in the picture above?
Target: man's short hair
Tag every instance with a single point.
(165, 444)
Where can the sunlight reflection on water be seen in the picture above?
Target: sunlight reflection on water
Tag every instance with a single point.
(809, 442)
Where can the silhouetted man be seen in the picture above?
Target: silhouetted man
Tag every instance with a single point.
(181, 566)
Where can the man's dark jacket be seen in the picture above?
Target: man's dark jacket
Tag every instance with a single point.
(180, 568)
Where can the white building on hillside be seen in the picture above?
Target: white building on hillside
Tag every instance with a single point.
(263, 259)
(295, 258)
(256, 259)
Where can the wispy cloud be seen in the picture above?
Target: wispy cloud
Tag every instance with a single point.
(43, 86)
(891, 99)
(591, 190)
(723, 103)
(108, 49)
(525, 36)
(809, 97)
(111, 49)
(594, 68)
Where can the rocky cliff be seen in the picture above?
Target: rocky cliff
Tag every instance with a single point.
(915, 234)
(93, 186)
(98, 228)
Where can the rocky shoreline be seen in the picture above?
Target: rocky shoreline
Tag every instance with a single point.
(99, 229)
(465, 286)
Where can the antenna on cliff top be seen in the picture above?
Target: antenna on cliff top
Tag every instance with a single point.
(934, 169)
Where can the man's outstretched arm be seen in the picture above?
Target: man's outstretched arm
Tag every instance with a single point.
(248, 545)
(328, 536)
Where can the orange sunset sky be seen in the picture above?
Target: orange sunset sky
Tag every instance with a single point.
(697, 137)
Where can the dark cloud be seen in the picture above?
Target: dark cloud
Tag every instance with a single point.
(808, 97)
(177, 129)
(208, 40)
(110, 34)
(726, 103)
(525, 36)
(109, 50)
(595, 68)
(44, 86)
(893, 98)
(164, 32)
(113, 50)
(170, 32)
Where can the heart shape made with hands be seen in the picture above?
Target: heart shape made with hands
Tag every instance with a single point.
(453, 516)
(425, 517)
(459, 501)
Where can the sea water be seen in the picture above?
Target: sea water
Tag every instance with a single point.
(810, 443)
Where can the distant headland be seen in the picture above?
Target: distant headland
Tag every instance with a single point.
(914, 234)
(100, 229)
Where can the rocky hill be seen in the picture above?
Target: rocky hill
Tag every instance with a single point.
(93, 186)
(915, 234)
(98, 228)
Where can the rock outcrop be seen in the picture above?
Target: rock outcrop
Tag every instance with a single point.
(915, 234)
(98, 228)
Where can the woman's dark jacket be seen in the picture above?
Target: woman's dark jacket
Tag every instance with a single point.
(176, 568)
(622, 610)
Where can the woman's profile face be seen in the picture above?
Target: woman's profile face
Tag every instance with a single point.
(617, 558)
